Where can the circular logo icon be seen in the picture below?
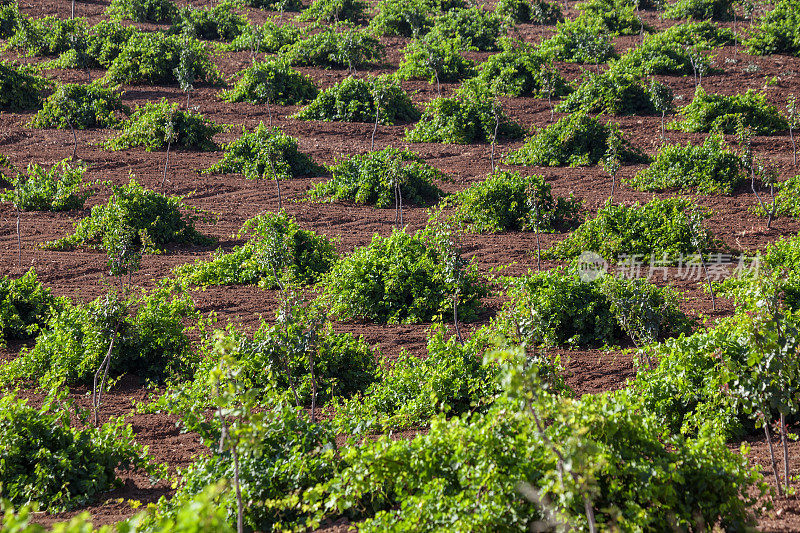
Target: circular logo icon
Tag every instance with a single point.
(591, 266)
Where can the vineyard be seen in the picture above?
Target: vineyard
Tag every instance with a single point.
(334, 265)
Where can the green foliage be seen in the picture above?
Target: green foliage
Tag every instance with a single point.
(155, 219)
(778, 30)
(700, 9)
(106, 40)
(507, 201)
(718, 112)
(59, 188)
(152, 57)
(612, 93)
(370, 179)
(49, 36)
(477, 29)
(435, 58)
(150, 125)
(525, 11)
(25, 307)
(269, 38)
(559, 307)
(398, 279)
(359, 99)
(408, 18)
(670, 226)
(412, 390)
(272, 82)
(142, 10)
(79, 106)
(473, 114)
(277, 245)
(149, 341)
(335, 11)
(579, 41)
(787, 199)
(575, 140)
(265, 153)
(20, 89)
(519, 70)
(275, 5)
(9, 17)
(618, 17)
(46, 460)
(218, 22)
(339, 45)
(710, 168)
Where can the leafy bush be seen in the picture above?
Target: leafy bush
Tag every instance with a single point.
(408, 18)
(277, 245)
(558, 307)
(49, 36)
(359, 99)
(519, 70)
(787, 199)
(612, 93)
(335, 11)
(25, 306)
(275, 5)
(710, 168)
(9, 17)
(507, 201)
(370, 179)
(79, 106)
(152, 57)
(340, 45)
(150, 341)
(247, 155)
(525, 11)
(398, 279)
(272, 82)
(142, 10)
(410, 391)
(712, 112)
(575, 140)
(618, 17)
(106, 40)
(473, 114)
(48, 461)
(269, 38)
(59, 188)
(778, 30)
(19, 88)
(435, 59)
(218, 22)
(579, 41)
(155, 219)
(671, 226)
(477, 29)
(700, 9)
(156, 124)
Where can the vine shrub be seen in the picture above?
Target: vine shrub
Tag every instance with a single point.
(25, 306)
(620, 231)
(47, 460)
(473, 114)
(250, 155)
(218, 22)
(507, 201)
(435, 58)
(270, 37)
(700, 9)
(149, 126)
(151, 341)
(616, 94)
(156, 220)
(407, 18)
(49, 36)
(142, 10)
(335, 11)
(579, 41)
(398, 279)
(79, 106)
(519, 70)
(777, 31)
(20, 89)
(275, 5)
(59, 188)
(339, 45)
(787, 199)
(710, 168)
(151, 58)
(370, 179)
(105, 41)
(708, 112)
(359, 99)
(276, 245)
(575, 140)
(477, 29)
(9, 17)
(618, 17)
(271, 82)
(529, 11)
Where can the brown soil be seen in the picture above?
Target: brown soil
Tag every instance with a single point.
(81, 274)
